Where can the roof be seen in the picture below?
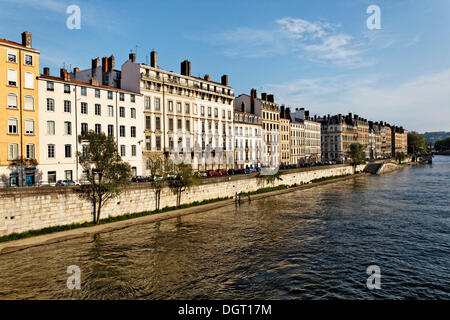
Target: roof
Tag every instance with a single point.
(43, 76)
(16, 44)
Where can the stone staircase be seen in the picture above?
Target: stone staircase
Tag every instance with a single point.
(373, 168)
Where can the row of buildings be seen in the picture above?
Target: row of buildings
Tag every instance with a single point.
(154, 114)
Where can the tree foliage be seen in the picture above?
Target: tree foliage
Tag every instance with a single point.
(106, 172)
(400, 156)
(416, 143)
(442, 144)
(357, 153)
(185, 179)
(158, 172)
(269, 179)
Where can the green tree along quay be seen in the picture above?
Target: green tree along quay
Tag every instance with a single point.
(185, 179)
(416, 143)
(357, 153)
(106, 172)
(269, 179)
(158, 172)
(442, 144)
(400, 156)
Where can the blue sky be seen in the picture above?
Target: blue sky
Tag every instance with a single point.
(319, 54)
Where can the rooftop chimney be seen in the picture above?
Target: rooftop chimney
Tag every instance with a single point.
(111, 63)
(225, 80)
(132, 57)
(306, 114)
(186, 68)
(46, 71)
(76, 69)
(93, 81)
(105, 64)
(270, 98)
(26, 39)
(264, 96)
(64, 74)
(253, 93)
(153, 59)
(206, 77)
(95, 63)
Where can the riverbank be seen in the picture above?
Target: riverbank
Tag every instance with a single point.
(78, 232)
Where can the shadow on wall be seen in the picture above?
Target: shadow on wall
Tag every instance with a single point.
(26, 175)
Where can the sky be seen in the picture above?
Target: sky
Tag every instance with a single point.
(318, 54)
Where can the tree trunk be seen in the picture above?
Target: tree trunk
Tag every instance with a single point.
(98, 210)
(94, 210)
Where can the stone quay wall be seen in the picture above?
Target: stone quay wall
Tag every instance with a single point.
(25, 209)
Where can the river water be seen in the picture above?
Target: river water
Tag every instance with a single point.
(309, 244)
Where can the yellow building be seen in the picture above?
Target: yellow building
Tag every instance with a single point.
(19, 122)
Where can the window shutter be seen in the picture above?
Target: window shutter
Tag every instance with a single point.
(29, 126)
(29, 103)
(29, 80)
(12, 75)
(12, 101)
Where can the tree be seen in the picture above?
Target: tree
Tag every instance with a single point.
(400, 156)
(357, 153)
(185, 179)
(106, 172)
(442, 144)
(158, 181)
(269, 178)
(416, 143)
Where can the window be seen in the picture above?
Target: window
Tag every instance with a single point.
(158, 143)
(50, 86)
(110, 111)
(13, 126)
(83, 91)
(188, 126)
(133, 150)
(179, 107)
(202, 110)
(51, 177)
(148, 121)
(68, 174)
(179, 124)
(122, 112)
(121, 97)
(132, 98)
(133, 132)
(68, 151)
(98, 109)
(12, 77)
(148, 143)
(50, 104)
(51, 151)
(209, 111)
(157, 104)
(28, 60)
(170, 106)
(13, 151)
(171, 124)
(122, 131)
(216, 112)
(110, 130)
(12, 101)
(84, 150)
(187, 108)
(133, 113)
(84, 129)
(158, 123)
(147, 103)
(67, 106)
(51, 128)
(29, 80)
(84, 108)
(12, 56)
(122, 151)
(110, 95)
(98, 128)
(67, 88)
(29, 126)
(229, 115)
(97, 93)
(67, 127)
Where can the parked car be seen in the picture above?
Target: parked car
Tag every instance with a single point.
(158, 178)
(212, 173)
(252, 169)
(171, 176)
(222, 172)
(62, 183)
(140, 179)
(247, 170)
(202, 174)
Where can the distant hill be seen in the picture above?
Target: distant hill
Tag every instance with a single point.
(432, 137)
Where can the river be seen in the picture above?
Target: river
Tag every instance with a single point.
(308, 244)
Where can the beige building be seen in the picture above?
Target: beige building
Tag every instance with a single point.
(186, 117)
(297, 142)
(285, 135)
(248, 137)
(312, 134)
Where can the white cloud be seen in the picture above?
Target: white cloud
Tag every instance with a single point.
(421, 104)
(318, 41)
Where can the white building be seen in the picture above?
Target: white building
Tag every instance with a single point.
(184, 115)
(69, 108)
(248, 137)
(312, 146)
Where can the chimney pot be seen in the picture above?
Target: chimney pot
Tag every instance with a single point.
(153, 59)
(225, 80)
(264, 96)
(132, 57)
(47, 71)
(206, 77)
(105, 64)
(186, 68)
(270, 98)
(26, 39)
(111, 63)
(76, 69)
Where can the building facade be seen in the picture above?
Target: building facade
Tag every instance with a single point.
(312, 135)
(248, 140)
(69, 109)
(19, 118)
(297, 143)
(285, 136)
(185, 116)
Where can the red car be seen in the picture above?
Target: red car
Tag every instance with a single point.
(222, 172)
(211, 173)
